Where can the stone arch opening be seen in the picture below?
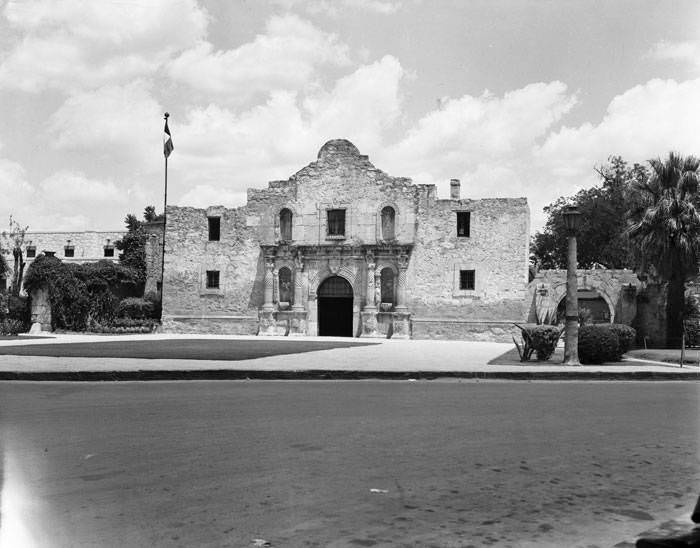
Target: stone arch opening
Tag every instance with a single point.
(592, 307)
(335, 305)
(286, 288)
(388, 222)
(286, 224)
(388, 294)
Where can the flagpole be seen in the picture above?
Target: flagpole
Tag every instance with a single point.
(165, 220)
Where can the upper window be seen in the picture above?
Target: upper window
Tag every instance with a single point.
(388, 218)
(463, 221)
(31, 252)
(69, 251)
(109, 251)
(212, 279)
(214, 228)
(285, 224)
(336, 222)
(466, 279)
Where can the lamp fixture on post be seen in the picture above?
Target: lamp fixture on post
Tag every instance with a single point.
(572, 221)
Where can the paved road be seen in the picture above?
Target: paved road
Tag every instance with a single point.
(450, 463)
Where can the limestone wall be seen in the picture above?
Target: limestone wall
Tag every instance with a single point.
(496, 250)
(88, 246)
(187, 304)
(425, 230)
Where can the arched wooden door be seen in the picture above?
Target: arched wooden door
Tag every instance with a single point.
(334, 298)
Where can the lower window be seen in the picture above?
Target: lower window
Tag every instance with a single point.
(212, 279)
(466, 279)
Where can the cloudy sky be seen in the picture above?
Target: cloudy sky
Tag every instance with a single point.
(515, 98)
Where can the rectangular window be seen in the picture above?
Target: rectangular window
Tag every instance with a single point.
(336, 222)
(212, 279)
(463, 220)
(109, 251)
(466, 279)
(31, 252)
(214, 228)
(69, 251)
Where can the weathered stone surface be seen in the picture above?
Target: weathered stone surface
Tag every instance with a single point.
(41, 310)
(422, 254)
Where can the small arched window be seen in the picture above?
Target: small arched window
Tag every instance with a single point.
(285, 224)
(285, 281)
(387, 281)
(388, 218)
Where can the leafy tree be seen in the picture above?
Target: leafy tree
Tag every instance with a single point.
(133, 244)
(667, 229)
(14, 239)
(602, 235)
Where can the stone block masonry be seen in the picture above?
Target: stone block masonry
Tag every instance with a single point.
(341, 247)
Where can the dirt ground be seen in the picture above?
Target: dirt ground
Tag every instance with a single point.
(362, 463)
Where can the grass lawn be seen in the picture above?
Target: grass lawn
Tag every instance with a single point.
(187, 349)
(670, 355)
(20, 337)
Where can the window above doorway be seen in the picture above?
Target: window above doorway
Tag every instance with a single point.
(335, 223)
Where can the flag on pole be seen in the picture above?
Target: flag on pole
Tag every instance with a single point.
(167, 139)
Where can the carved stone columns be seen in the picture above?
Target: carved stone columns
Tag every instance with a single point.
(269, 284)
(298, 284)
(401, 287)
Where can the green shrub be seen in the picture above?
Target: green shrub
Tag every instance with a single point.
(10, 326)
(625, 337)
(154, 298)
(80, 295)
(597, 344)
(134, 307)
(126, 325)
(541, 339)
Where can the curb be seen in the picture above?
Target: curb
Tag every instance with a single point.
(318, 374)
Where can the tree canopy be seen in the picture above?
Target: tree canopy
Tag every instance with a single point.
(666, 229)
(602, 236)
(133, 244)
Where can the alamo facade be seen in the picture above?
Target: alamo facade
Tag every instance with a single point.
(342, 248)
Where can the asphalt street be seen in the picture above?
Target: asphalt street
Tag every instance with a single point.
(361, 463)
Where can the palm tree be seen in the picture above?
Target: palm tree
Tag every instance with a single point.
(667, 230)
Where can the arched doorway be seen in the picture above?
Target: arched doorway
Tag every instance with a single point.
(335, 307)
(592, 308)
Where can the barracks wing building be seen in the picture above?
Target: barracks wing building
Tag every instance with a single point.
(341, 248)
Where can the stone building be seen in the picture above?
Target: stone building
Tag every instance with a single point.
(70, 247)
(342, 248)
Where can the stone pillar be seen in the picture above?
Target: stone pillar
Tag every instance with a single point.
(401, 323)
(401, 287)
(368, 316)
(370, 303)
(298, 284)
(269, 284)
(275, 285)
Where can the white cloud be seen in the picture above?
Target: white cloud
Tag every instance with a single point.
(286, 56)
(122, 122)
(336, 7)
(77, 44)
(684, 52)
(207, 195)
(220, 148)
(645, 121)
(76, 188)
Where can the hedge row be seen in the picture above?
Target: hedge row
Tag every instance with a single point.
(596, 343)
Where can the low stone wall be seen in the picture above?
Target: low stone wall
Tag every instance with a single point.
(466, 330)
(214, 325)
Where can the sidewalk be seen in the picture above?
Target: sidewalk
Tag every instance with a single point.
(374, 359)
